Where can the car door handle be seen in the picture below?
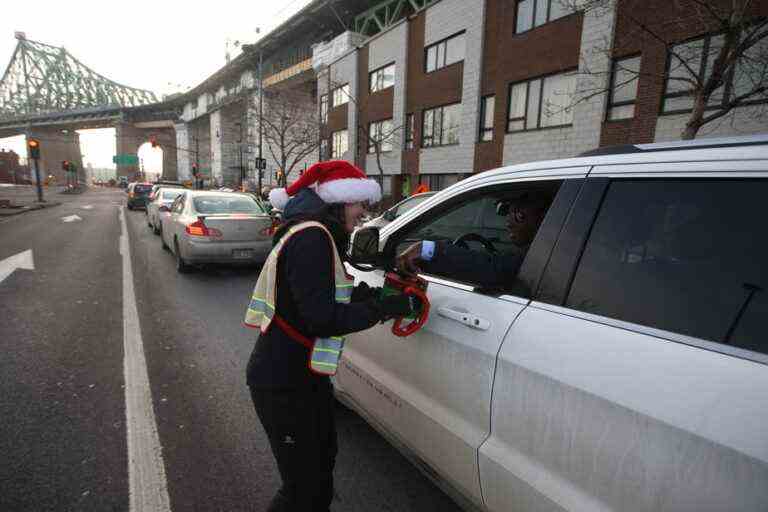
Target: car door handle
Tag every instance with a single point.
(464, 317)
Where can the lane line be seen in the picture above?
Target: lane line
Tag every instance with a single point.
(148, 487)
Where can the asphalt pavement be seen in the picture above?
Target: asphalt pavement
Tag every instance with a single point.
(63, 429)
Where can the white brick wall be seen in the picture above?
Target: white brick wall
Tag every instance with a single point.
(588, 115)
(183, 158)
(741, 121)
(442, 20)
(345, 71)
(391, 47)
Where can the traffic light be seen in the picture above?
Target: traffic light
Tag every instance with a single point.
(153, 141)
(34, 148)
(194, 170)
(65, 165)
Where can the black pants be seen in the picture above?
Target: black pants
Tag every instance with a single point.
(301, 429)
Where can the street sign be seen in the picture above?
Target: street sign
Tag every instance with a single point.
(125, 159)
(261, 163)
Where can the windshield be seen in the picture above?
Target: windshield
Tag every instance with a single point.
(225, 204)
(142, 189)
(415, 201)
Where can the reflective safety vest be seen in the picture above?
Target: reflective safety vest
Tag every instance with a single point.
(325, 353)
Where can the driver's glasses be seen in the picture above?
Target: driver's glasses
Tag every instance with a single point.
(517, 215)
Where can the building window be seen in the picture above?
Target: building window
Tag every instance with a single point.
(533, 13)
(441, 126)
(340, 144)
(323, 149)
(487, 108)
(382, 78)
(437, 182)
(324, 109)
(341, 95)
(541, 103)
(694, 60)
(446, 52)
(410, 130)
(380, 132)
(625, 75)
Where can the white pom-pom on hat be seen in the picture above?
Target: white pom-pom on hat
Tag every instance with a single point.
(335, 181)
(278, 197)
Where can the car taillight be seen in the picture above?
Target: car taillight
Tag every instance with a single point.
(130, 194)
(271, 230)
(198, 228)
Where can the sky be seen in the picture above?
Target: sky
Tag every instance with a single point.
(165, 46)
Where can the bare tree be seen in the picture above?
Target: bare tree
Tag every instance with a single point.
(291, 128)
(380, 137)
(730, 71)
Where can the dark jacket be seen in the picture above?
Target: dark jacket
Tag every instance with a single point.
(305, 300)
(479, 268)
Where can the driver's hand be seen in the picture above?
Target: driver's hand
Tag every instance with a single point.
(406, 260)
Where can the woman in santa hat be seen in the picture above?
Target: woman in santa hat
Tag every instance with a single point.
(303, 304)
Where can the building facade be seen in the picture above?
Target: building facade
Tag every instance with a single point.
(463, 86)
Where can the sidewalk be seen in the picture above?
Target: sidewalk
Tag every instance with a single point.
(16, 199)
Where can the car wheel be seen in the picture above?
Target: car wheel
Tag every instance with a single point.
(130, 207)
(165, 245)
(155, 229)
(181, 266)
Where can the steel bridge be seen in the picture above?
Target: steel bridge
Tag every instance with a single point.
(47, 93)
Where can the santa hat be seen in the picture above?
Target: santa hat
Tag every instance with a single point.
(335, 181)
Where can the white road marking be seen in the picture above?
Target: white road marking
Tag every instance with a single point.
(22, 260)
(148, 487)
(71, 218)
(87, 207)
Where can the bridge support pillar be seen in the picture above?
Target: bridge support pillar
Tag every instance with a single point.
(199, 133)
(184, 153)
(57, 145)
(130, 138)
(229, 133)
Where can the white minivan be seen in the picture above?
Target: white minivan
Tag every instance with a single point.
(623, 368)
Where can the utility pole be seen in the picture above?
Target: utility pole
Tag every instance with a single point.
(261, 113)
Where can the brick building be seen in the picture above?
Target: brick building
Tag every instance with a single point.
(463, 86)
(10, 169)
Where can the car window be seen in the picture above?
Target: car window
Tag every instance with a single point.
(686, 256)
(225, 204)
(168, 195)
(475, 246)
(178, 205)
(410, 204)
(142, 189)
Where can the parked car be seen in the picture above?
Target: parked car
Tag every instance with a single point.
(399, 209)
(163, 196)
(138, 195)
(216, 227)
(624, 367)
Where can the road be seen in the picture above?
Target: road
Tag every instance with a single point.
(63, 433)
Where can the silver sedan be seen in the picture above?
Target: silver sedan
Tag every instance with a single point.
(216, 227)
(163, 196)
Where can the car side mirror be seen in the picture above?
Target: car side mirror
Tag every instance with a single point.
(390, 215)
(365, 246)
(164, 208)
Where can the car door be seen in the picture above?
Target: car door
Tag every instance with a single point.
(171, 222)
(636, 381)
(432, 390)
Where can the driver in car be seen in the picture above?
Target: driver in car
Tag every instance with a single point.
(486, 269)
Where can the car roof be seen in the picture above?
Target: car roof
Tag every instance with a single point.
(754, 147)
(195, 193)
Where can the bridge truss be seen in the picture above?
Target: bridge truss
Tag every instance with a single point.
(42, 79)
